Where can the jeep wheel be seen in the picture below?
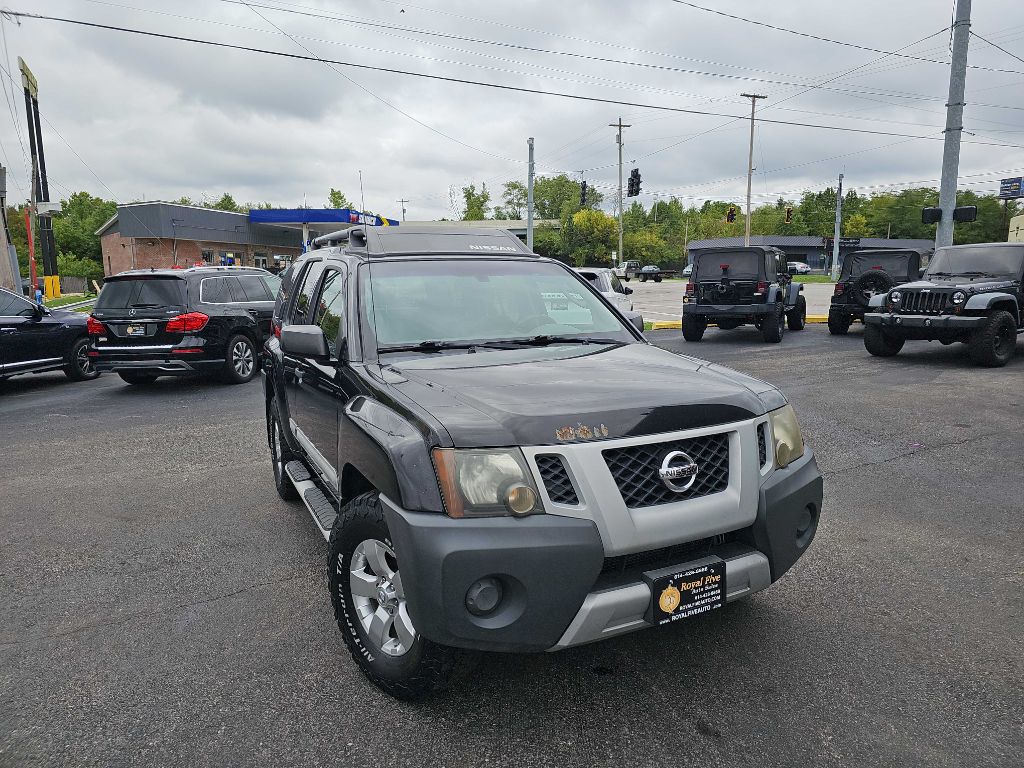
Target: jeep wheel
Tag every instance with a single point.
(240, 363)
(773, 326)
(78, 365)
(694, 327)
(880, 343)
(279, 454)
(994, 343)
(797, 317)
(370, 607)
(135, 378)
(839, 323)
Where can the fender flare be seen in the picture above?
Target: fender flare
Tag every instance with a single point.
(773, 294)
(394, 456)
(877, 300)
(983, 301)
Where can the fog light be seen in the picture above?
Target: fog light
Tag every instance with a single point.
(520, 499)
(483, 596)
(803, 523)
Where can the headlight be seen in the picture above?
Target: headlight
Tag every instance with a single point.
(895, 297)
(959, 297)
(485, 482)
(789, 443)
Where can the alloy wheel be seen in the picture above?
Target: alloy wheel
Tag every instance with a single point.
(379, 598)
(83, 361)
(242, 358)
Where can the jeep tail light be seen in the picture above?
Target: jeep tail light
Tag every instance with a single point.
(187, 323)
(690, 289)
(95, 327)
(840, 289)
(277, 327)
(762, 286)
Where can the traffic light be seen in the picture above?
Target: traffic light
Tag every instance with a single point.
(731, 215)
(583, 195)
(633, 183)
(789, 216)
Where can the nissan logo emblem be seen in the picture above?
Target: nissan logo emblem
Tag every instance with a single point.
(678, 471)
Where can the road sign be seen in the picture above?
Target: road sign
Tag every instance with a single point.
(1009, 188)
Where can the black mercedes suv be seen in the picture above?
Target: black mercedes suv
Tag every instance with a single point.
(969, 293)
(34, 339)
(181, 322)
(449, 407)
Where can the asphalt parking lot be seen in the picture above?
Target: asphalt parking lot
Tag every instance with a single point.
(161, 605)
(661, 302)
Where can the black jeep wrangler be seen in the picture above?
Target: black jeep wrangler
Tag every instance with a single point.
(449, 408)
(969, 293)
(866, 274)
(734, 286)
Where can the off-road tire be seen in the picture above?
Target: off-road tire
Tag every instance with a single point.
(877, 280)
(994, 343)
(137, 379)
(426, 667)
(280, 455)
(881, 344)
(241, 363)
(78, 366)
(694, 327)
(773, 325)
(839, 323)
(796, 319)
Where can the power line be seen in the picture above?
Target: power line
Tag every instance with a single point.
(998, 47)
(833, 41)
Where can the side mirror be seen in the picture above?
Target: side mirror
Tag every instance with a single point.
(627, 290)
(305, 341)
(636, 319)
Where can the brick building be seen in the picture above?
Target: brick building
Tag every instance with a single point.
(156, 234)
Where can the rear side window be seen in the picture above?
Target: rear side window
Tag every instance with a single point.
(142, 292)
(304, 299)
(253, 288)
(214, 290)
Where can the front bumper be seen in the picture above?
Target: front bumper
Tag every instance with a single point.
(895, 321)
(728, 310)
(550, 568)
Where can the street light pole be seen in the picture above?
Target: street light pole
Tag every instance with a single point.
(529, 197)
(618, 140)
(837, 230)
(750, 159)
(954, 123)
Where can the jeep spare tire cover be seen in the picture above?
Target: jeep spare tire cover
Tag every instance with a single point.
(871, 283)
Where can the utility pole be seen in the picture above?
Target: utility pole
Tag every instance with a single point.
(40, 205)
(750, 159)
(529, 196)
(954, 123)
(402, 203)
(835, 237)
(618, 140)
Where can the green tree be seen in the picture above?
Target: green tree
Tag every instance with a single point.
(555, 196)
(475, 204)
(513, 197)
(634, 218)
(74, 228)
(547, 242)
(856, 226)
(644, 246)
(226, 203)
(594, 237)
(69, 265)
(336, 199)
(16, 226)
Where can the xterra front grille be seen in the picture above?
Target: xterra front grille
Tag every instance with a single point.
(665, 557)
(635, 469)
(556, 479)
(924, 302)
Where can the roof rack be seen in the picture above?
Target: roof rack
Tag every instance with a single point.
(354, 236)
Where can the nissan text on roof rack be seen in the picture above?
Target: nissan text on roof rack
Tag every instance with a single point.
(447, 405)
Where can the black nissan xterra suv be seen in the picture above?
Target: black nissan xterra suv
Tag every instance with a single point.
(182, 322)
(449, 408)
(969, 293)
(734, 286)
(866, 274)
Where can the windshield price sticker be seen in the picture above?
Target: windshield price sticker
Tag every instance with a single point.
(688, 592)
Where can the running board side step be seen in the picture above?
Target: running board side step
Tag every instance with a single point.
(316, 502)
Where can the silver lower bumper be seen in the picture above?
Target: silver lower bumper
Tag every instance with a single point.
(616, 611)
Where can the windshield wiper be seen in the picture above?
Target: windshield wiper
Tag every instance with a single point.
(437, 346)
(544, 339)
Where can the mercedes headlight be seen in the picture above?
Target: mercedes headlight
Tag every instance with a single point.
(895, 297)
(959, 297)
(485, 482)
(789, 443)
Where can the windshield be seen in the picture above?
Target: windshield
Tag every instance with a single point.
(142, 292)
(413, 302)
(713, 266)
(977, 261)
(857, 264)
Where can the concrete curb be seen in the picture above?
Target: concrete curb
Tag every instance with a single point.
(678, 324)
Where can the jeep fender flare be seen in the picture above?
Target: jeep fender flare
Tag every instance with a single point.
(773, 294)
(985, 301)
(877, 300)
(390, 453)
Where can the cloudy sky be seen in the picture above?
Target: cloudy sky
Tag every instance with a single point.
(132, 117)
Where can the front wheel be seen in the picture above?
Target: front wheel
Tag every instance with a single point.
(881, 344)
(78, 366)
(797, 317)
(368, 594)
(773, 326)
(694, 327)
(994, 343)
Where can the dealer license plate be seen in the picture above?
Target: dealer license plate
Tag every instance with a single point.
(689, 590)
(135, 330)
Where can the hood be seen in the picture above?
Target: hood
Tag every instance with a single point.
(977, 285)
(564, 394)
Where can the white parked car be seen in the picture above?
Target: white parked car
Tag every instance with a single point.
(799, 268)
(688, 270)
(608, 283)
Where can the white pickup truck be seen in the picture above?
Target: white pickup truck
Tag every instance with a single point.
(626, 269)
